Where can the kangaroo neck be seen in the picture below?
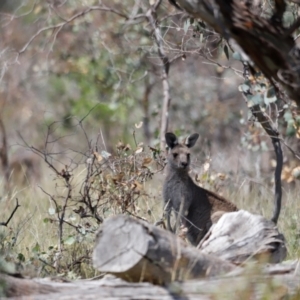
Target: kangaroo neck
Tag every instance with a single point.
(182, 173)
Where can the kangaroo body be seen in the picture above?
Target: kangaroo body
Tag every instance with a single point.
(195, 207)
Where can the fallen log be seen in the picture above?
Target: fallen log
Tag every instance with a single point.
(138, 251)
(239, 236)
(246, 286)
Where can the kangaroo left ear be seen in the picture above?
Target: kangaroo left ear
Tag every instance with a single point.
(191, 140)
(171, 139)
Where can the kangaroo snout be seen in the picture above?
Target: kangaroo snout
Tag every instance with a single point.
(184, 164)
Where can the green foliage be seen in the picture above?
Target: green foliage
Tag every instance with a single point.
(258, 92)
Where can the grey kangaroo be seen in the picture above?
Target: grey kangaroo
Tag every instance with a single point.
(195, 208)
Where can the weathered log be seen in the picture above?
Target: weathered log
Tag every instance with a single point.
(246, 286)
(240, 235)
(138, 251)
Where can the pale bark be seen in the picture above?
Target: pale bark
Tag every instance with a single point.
(138, 251)
(240, 236)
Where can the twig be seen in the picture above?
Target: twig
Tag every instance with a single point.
(3, 152)
(12, 214)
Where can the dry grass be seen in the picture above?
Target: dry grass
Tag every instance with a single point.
(31, 238)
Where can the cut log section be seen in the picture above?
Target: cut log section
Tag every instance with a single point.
(239, 236)
(138, 251)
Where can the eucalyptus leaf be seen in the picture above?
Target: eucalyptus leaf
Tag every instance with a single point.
(244, 88)
(256, 99)
(290, 131)
(186, 25)
(269, 100)
(36, 248)
(271, 92)
(264, 146)
(287, 116)
(202, 24)
(237, 56)
(105, 154)
(255, 148)
(70, 240)
(226, 51)
(288, 18)
(201, 38)
(21, 257)
(51, 211)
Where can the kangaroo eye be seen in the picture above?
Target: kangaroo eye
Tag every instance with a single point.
(175, 155)
(188, 156)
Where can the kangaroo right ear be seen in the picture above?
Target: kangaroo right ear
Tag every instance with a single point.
(191, 140)
(171, 139)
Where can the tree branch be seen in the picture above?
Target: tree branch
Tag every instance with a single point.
(257, 37)
(272, 132)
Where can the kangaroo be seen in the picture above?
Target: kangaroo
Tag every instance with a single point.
(195, 207)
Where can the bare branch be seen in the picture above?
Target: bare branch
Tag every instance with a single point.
(59, 26)
(12, 214)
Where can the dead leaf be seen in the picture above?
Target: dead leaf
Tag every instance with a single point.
(98, 156)
(146, 161)
(139, 150)
(118, 177)
(287, 174)
(136, 186)
(120, 146)
(206, 166)
(273, 163)
(138, 125)
(127, 147)
(296, 172)
(222, 176)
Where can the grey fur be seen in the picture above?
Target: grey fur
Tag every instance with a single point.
(193, 205)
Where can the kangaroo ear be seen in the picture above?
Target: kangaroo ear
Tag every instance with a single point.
(171, 139)
(191, 140)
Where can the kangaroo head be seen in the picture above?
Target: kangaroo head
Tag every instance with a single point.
(179, 153)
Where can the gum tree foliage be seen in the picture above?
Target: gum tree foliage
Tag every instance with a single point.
(111, 54)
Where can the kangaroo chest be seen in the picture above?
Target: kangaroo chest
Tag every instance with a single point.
(177, 191)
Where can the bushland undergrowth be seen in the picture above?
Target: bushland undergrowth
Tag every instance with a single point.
(53, 230)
